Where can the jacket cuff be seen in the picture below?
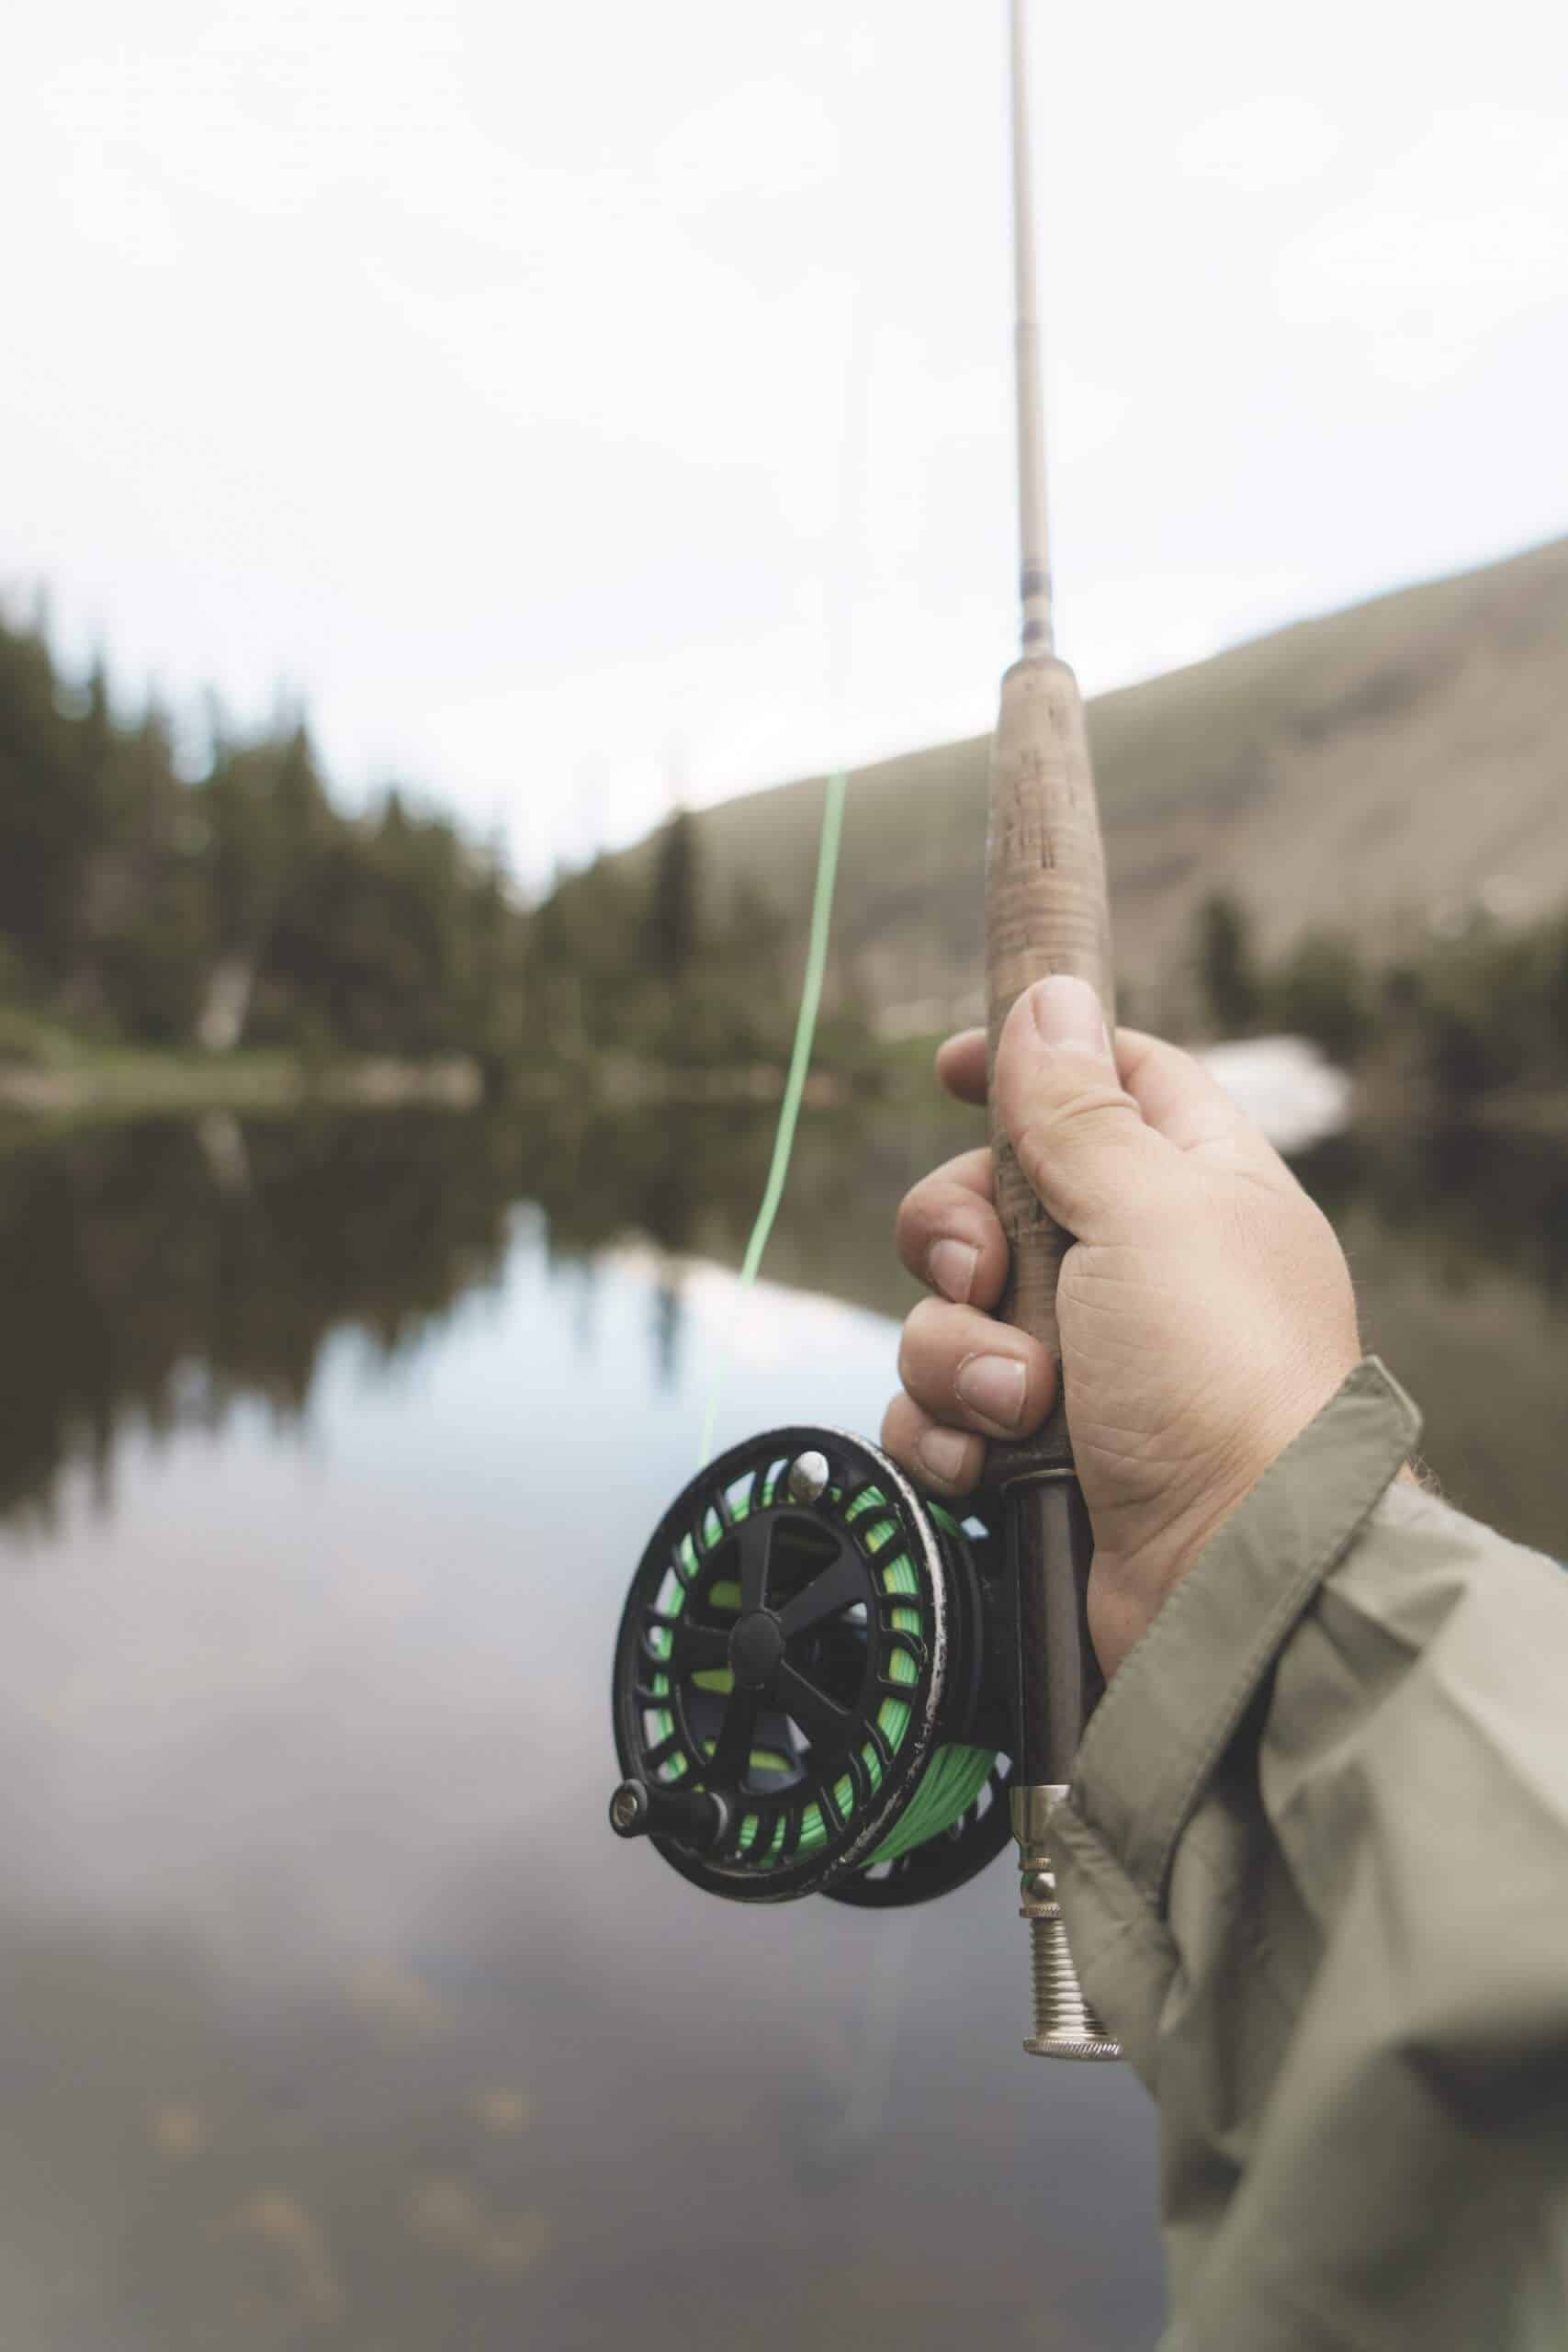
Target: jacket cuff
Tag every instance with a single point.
(1182, 1693)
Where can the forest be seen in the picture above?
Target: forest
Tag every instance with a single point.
(243, 907)
(240, 907)
(1476, 1010)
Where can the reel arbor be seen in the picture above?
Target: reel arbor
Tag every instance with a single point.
(809, 1695)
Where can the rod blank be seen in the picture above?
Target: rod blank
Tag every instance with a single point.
(1034, 549)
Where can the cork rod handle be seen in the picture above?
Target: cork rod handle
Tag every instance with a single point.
(1045, 912)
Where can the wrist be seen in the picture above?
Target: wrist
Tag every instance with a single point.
(1126, 1592)
(1132, 1579)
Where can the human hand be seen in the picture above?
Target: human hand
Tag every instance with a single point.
(1204, 1308)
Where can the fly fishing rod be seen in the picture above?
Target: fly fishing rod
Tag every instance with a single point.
(1046, 912)
(824, 1683)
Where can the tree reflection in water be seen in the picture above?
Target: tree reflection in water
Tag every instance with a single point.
(159, 1272)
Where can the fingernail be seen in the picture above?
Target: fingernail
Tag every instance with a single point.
(951, 1266)
(1068, 1014)
(994, 1386)
(944, 1453)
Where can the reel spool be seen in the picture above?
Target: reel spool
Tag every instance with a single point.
(807, 1685)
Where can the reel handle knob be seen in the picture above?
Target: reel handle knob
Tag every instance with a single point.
(691, 1817)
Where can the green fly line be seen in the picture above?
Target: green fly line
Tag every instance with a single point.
(953, 1776)
(795, 1085)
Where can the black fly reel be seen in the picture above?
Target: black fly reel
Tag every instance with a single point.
(810, 1686)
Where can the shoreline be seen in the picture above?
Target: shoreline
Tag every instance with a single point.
(129, 1086)
(87, 1087)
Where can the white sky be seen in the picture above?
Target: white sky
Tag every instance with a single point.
(562, 397)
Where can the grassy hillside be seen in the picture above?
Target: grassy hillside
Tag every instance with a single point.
(1376, 767)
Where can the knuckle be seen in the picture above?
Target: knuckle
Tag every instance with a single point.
(1099, 1119)
(1101, 1108)
(953, 1202)
(920, 1346)
(908, 1208)
(918, 1211)
(933, 1340)
(922, 1328)
(903, 1364)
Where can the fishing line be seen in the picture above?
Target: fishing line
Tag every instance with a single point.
(795, 1088)
(841, 631)
(845, 1754)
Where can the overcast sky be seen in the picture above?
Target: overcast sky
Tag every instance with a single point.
(571, 401)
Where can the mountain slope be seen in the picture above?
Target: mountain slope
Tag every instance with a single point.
(1375, 767)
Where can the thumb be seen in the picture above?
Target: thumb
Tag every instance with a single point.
(1079, 1138)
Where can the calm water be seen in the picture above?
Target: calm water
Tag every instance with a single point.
(330, 2012)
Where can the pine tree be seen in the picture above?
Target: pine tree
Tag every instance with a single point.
(1226, 969)
(1320, 992)
(674, 920)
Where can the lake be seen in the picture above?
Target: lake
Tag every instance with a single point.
(331, 2013)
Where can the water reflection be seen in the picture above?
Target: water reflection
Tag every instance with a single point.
(329, 2013)
(329, 2010)
(156, 1272)
(1458, 1239)
(1469, 1202)
(159, 1274)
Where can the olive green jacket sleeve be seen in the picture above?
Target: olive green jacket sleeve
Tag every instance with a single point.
(1314, 1872)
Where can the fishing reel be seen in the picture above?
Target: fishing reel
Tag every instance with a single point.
(812, 1681)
